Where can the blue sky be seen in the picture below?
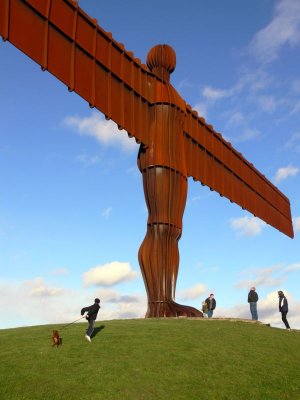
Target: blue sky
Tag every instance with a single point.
(72, 210)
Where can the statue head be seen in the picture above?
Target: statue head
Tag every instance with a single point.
(161, 60)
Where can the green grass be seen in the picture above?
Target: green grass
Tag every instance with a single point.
(157, 359)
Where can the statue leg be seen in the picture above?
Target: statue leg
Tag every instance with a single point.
(165, 192)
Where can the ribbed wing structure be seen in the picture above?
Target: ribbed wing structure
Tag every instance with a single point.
(64, 40)
(212, 161)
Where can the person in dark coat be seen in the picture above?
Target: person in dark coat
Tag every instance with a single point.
(91, 316)
(211, 305)
(252, 300)
(283, 308)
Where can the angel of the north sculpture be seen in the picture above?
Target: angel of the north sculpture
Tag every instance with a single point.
(175, 143)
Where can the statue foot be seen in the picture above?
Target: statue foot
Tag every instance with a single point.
(160, 309)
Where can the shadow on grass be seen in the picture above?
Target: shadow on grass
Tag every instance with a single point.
(97, 330)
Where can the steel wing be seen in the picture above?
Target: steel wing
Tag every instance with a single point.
(65, 41)
(212, 161)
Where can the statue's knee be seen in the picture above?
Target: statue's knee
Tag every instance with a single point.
(165, 231)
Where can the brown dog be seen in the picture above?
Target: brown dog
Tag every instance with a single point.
(56, 340)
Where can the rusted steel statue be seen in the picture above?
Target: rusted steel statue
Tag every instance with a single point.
(175, 143)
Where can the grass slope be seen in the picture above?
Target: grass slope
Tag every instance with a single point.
(151, 359)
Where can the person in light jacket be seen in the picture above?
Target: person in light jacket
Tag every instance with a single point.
(283, 308)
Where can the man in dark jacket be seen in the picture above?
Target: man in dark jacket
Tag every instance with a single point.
(252, 300)
(91, 316)
(283, 308)
(211, 305)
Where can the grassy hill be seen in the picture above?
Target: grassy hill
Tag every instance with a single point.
(151, 359)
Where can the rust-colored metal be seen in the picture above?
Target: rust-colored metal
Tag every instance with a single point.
(175, 142)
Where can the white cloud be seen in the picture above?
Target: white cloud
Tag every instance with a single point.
(193, 292)
(295, 86)
(247, 226)
(296, 108)
(270, 277)
(214, 94)
(196, 199)
(258, 80)
(236, 119)
(133, 171)
(38, 288)
(109, 274)
(285, 172)
(201, 109)
(273, 276)
(106, 213)
(284, 29)
(296, 223)
(88, 160)
(294, 141)
(125, 309)
(60, 271)
(35, 303)
(63, 308)
(184, 84)
(115, 305)
(267, 103)
(292, 267)
(247, 134)
(105, 132)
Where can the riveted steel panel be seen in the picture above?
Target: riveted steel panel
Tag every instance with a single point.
(85, 34)
(128, 71)
(27, 30)
(83, 74)
(102, 89)
(116, 61)
(60, 55)
(103, 49)
(116, 99)
(4, 18)
(42, 6)
(63, 15)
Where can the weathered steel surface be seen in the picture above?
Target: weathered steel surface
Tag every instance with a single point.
(212, 161)
(175, 142)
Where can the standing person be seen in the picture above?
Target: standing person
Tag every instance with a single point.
(283, 308)
(91, 316)
(252, 300)
(211, 305)
(204, 309)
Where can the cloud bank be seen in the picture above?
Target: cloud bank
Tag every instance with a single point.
(285, 172)
(283, 30)
(109, 274)
(105, 132)
(247, 226)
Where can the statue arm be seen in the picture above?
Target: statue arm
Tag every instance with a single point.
(65, 41)
(212, 161)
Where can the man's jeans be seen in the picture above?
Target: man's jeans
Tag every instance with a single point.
(210, 313)
(285, 321)
(90, 329)
(253, 310)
